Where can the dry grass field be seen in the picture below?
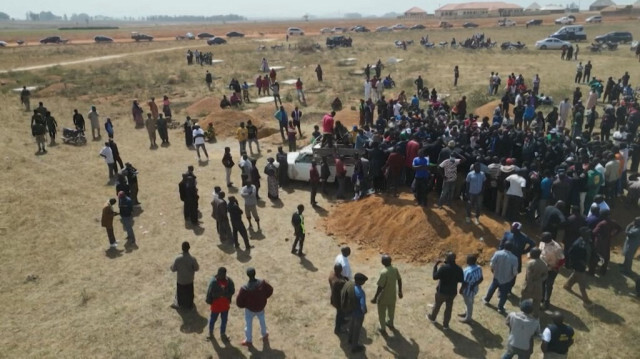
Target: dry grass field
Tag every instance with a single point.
(64, 296)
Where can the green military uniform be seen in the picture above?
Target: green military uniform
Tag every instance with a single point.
(388, 281)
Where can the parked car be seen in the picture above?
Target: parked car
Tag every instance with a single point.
(634, 45)
(53, 40)
(399, 27)
(565, 20)
(360, 28)
(300, 162)
(325, 30)
(594, 19)
(445, 25)
(141, 37)
(534, 22)
(506, 22)
(615, 36)
(551, 43)
(339, 30)
(383, 29)
(417, 27)
(205, 35)
(235, 34)
(295, 31)
(3, 44)
(338, 41)
(101, 38)
(570, 33)
(216, 40)
(468, 25)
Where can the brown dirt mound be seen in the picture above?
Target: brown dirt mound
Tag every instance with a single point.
(383, 224)
(488, 108)
(226, 121)
(55, 89)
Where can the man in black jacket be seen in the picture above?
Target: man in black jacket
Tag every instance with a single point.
(297, 221)
(235, 214)
(449, 275)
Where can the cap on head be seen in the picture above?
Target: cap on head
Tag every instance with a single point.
(516, 226)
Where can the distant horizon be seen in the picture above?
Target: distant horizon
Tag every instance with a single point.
(253, 10)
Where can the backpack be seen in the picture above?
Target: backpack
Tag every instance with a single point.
(348, 301)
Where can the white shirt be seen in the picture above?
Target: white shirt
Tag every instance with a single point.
(564, 108)
(396, 109)
(346, 267)
(198, 136)
(516, 184)
(108, 154)
(246, 166)
(603, 205)
(367, 90)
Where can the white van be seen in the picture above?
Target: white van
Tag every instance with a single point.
(570, 33)
(295, 31)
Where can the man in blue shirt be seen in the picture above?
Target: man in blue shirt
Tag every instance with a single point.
(357, 316)
(475, 186)
(522, 244)
(283, 121)
(545, 192)
(421, 180)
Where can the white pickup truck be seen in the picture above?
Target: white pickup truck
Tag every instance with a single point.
(300, 162)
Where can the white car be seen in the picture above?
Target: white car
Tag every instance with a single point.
(300, 164)
(339, 30)
(551, 43)
(399, 27)
(565, 20)
(594, 19)
(383, 29)
(3, 44)
(326, 30)
(295, 31)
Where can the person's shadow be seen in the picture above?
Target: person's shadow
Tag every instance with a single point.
(267, 352)
(346, 347)
(203, 163)
(196, 228)
(307, 264)
(113, 252)
(320, 211)
(256, 235)
(192, 321)
(484, 336)
(227, 351)
(605, 315)
(464, 346)
(227, 247)
(277, 203)
(399, 346)
(243, 256)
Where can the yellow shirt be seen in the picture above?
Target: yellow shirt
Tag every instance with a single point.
(241, 134)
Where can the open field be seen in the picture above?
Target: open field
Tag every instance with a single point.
(83, 303)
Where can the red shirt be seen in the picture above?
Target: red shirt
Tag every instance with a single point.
(299, 85)
(340, 170)
(221, 304)
(395, 162)
(327, 124)
(411, 152)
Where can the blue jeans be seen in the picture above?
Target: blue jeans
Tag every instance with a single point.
(127, 225)
(248, 329)
(503, 292)
(629, 251)
(223, 324)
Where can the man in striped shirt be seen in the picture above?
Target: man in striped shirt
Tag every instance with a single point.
(469, 289)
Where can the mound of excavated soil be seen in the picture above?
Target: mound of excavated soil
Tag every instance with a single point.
(488, 108)
(384, 224)
(226, 121)
(55, 89)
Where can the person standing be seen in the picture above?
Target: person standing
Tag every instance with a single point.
(283, 121)
(275, 89)
(153, 107)
(78, 120)
(456, 74)
(208, 79)
(343, 260)
(151, 126)
(108, 127)
(472, 275)
(272, 180)
(336, 283)
(222, 218)
(475, 184)
(249, 193)
(107, 154)
(126, 218)
(318, 71)
(553, 256)
(185, 267)
(631, 244)
(386, 293)
(297, 221)
(300, 92)
(252, 136)
(578, 259)
(522, 328)
(237, 225)
(198, 140)
(557, 337)
(252, 297)
(587, 72)
(219, 293)
(116, 154)
(241, 136)
(188, 132)
(296, 117)
(449, 275)
(131, 173)
(535, 276)
(94, 118)
(283, 167)
(521, 243)
(515, 194)
(420, 166)
(246, 167)
(107, 221)
(504, 266)
(327, 129)
(354, 303)
(166, 107)
(189, 196)
(341, 176)
(25, 96)
(450, 169)
(314, 180)
(39, 130)
(161, 124)
(52, 126)
(227, 162)
(603, 235)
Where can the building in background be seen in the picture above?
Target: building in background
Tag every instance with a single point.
(601, 4)
(479, 9)
(415, 13)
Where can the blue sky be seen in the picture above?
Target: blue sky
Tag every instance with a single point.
(249, 8)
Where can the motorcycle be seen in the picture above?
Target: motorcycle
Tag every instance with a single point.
(73, 136)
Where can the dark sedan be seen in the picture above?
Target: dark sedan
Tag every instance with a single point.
(235, 34)
(53, 40)
(467, 25)
(141, 37)
(359, 28)
(534, 22)
(616, 36)
(216, 41)
(417, 27)
(101, 38)
(205, 35)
